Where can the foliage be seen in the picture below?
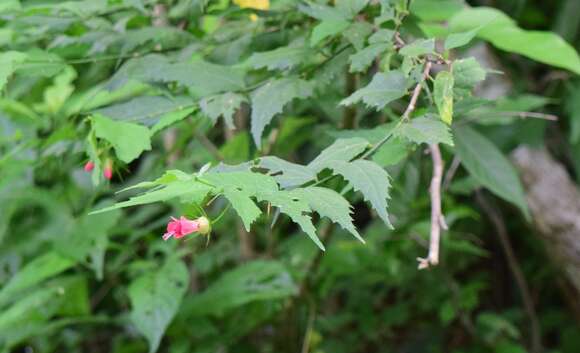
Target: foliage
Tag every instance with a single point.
(278, 120)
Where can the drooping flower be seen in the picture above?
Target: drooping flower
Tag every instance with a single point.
(108, 170)
(89, 166)
(178, 228)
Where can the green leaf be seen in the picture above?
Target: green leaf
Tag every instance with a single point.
(129, 140)
(329, 203)
(88, 240)
(341, 150)
(187, 190)
(290, 203)
(254, 281)
(467, 73)
(169, 119)
(443, 95)
(36, 271)
(503, 33)
(327, 29)
(222, 105)
(278, 59)
(357, 33)
(243, 204)
(360, 61)
(155, 298)
(255, 184)
(271, 98)
(489, 166)
(371, 180)
(351, 8)
(147, 110)
(456, 40)
(322, 12)
(418, 47)
(287, 174)
(383, 89)
(426, 129)
(9, 61)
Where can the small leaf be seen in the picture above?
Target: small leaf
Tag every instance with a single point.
(222, 105)
(418, 47)
(489, 166)
(329, 203)
(383, 89)
(287, 174)
(147, 110)
(357, 33)
(427, 130)
(341, 150)
(443, 95)
(327, 29)
(155, 298)
(361, 60)
(371, 180)
(467, 73)
(129, 140)
(243, 204)
(271, 98)
(278, 59)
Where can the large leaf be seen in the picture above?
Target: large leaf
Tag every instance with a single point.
(155, 298)
(36, 271)
(88, 240)
(341, 150)
(501, 31)
(489, 166)
(129, 140)
(383, 89)
(271, 98)
(329, 203)
(425, 129)
(371, 180)
(254, 281)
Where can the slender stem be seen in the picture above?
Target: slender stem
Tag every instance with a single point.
(217, 219)
(436, 216)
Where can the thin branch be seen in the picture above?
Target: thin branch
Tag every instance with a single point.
(432, 258)
(451, 172)
(413, 102)
(501, 231)
(521, 115)
(208, 145)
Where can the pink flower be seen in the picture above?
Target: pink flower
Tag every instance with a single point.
(178, 228)
(89, 166)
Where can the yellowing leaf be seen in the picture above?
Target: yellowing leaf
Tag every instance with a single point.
(253, 4)
(443, 93)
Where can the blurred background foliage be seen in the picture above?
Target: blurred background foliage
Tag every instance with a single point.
(114, 288)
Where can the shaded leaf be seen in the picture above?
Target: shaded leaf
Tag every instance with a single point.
(155, 298)
(418, 47)
(327, 28)
(341, 150)
(287, 174)
(489, 166)
(278, 59)
(467, 73)
(222, 105)
(360, 61)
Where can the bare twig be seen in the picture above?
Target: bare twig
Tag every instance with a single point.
(436, 216)
(451, 172)
(501, 231)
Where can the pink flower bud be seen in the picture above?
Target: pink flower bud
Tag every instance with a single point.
(108, 170)
(89, 166)
(178, 228)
